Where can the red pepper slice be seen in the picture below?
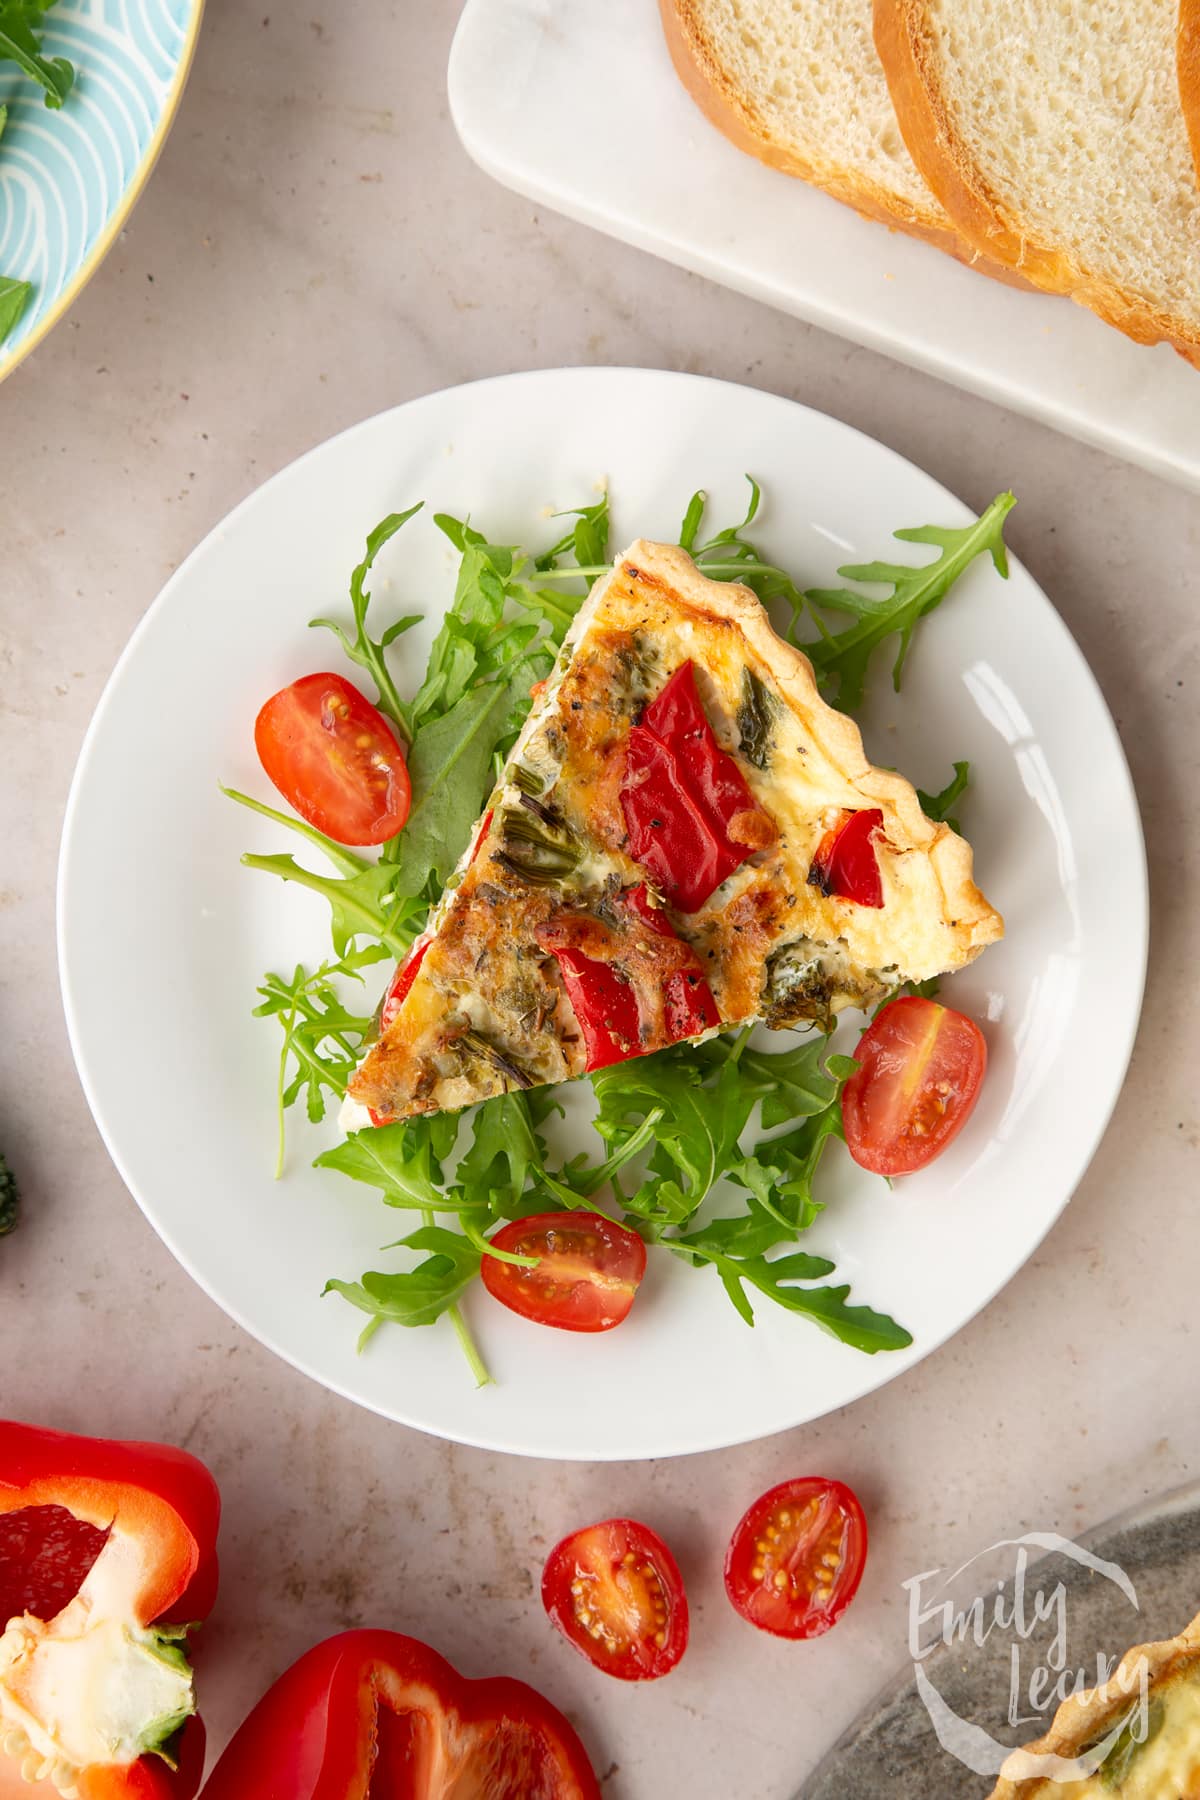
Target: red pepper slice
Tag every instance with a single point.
(393, 1000)
(93, 1535)
(688, 999)
(845, 864)
(687, 807)
(372, 1711)
(407, 971)
(402, 980)
(605, 1007)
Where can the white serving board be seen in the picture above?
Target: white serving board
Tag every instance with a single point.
(577, 106)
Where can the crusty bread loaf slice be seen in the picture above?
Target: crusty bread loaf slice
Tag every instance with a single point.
(1052, 133)
(798, 84)
(1187, 51)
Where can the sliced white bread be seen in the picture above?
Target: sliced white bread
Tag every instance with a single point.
(1053, 134)
(798, 84)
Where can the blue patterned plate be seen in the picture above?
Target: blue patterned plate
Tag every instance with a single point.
(69, 178)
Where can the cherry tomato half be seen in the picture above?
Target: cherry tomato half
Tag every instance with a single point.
(335, 758)
(588, 1273)
(614, 1591)
(920, 1067)
(795, 1560)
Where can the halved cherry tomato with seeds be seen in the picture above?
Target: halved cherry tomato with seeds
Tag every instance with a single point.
(588, 1271)
(920, 1068)
(334, 757)
(797, 1556)
(615, 1592)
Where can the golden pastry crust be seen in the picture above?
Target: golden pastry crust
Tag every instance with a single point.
(1085, 1718)
(488, 1008)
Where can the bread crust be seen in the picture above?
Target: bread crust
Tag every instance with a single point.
(725, 106)
(976, 921)
(904, 42)
(1187, 64)
(1080, 1720)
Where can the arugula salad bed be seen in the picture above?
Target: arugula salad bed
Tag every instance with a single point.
(710, 1151)
(21, 44)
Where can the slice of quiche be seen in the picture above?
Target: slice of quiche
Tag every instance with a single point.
(1137, 1737)
(685, 837)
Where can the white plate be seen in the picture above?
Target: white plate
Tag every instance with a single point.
(577, 106)
(163, 936)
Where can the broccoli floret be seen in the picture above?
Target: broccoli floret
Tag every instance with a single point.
(10, 1200)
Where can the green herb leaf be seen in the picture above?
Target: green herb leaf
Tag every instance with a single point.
(841, 659)
(14, 297)
(756, 719)
(423, 1294)
(694, 1137)
(505, 1155)
(21, 43)
(402, 1161)
(796, 1083)
(10, 1199)
(348, 861)
(691, 520)
(587, 541)
(366, 651)
(937, 806)
(366, 904)
(450, 765)
(322, 1039)
(1130, 1741)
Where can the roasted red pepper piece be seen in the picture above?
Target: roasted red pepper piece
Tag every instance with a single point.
(605, 1008)
(374, 1713)
(393, 1000)
(605, 1002)
(845, 864)
(402, 980)
(690, 816)
(107, 1552)
(688, 999)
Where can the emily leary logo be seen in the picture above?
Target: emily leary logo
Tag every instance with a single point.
(1029, 1614)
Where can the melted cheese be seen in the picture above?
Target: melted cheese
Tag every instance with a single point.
(1166, 1767)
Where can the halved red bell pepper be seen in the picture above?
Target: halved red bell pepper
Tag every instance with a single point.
(107, 1556)
(690, 816)
(845, 864)
(375, 1713)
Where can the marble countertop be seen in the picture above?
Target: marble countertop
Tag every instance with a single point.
(315, 246)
